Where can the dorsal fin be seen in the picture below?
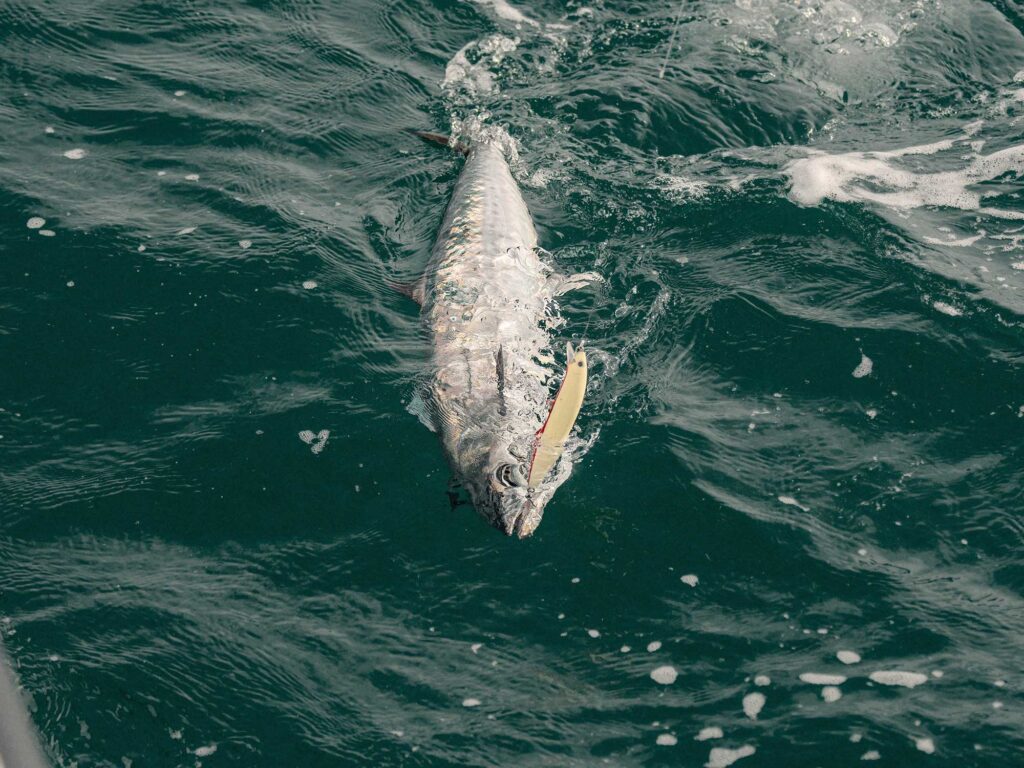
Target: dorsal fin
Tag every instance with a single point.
(440, 138)
(499, 365)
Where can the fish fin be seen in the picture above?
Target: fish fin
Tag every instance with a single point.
(440, 138)
(564, 283)
(561, 418)
(499, 368)
(415, 290)
(418, 408)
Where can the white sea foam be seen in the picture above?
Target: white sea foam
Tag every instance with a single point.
(666, 740)
(47, 232)
(503, 10)
(35, 222)
(884, 179)
(831, 693)
(871, 754)
(753, 703)
(848, 657)
(711, 732)
(185, 231)
(205, 751)
(721, 757)
(192, 177)
(689, 579)
(593, 633)
(653, 646)
(789, 501)
(925, 745)
(947, 309)
(245, 244)
(819, 678)
(471, 702)
(309, 285)
(895, 677)
(664, 675)
(317, 440)
(864, 367)
(477, 76)
(762, 680)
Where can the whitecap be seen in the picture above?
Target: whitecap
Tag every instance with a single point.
(947, 309)
(35, 222)
(711, 732)
(666, 740)
(309, 285)
(789, 501)
(75, 154)
(653, 646)
(47, 232)
(593, 633)
(471, 702)
(871, 754)
(925, 745)
(848, 657)
(689, 579)
(762, 680)
(243, 244)
(831, 693)
(205, 751)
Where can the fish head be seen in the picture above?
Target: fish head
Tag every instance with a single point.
(499, 491)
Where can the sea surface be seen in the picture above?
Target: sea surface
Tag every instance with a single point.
(797, 537)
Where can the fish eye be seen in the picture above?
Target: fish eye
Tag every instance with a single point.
(507, 476)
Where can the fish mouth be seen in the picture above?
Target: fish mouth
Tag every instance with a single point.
(523, 521)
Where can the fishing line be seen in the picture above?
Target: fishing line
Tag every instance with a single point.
(671, 40)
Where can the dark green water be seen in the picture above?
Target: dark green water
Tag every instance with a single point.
(180, 572)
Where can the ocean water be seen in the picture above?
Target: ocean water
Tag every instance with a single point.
(796, 538)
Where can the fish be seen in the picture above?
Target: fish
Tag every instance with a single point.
(487, 304)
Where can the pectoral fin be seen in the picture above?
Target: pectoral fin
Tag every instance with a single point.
(551, 437)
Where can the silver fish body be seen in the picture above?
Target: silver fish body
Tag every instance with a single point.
(487, 304)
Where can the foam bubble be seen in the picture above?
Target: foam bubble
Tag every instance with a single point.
(75, 154)
(666, 740)
(593, 633)
(863, 368)
(871, 754)
(47, 232)
(819, 678)
(762, 680)
(625, 649)
(35, 222)
(471, 702)
(895, 677)
(309, 285)
(871, 413)
(664, 675)
(70, 283)
(947, 309)
(179, 94)
(689, 579)
(186, 231)
(192, 177)
(789, 501)
(711, 732)
(48, 129)
(848, 657)
(831, 693)
(316, 441)
(244, 244)
(505, 11)
(925, 745)
(475, 647)
(722, 757)
(753, 703)
(205, 751)
(653, 646)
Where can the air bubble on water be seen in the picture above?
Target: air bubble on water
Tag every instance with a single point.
(664, 675)
(689, 579)
(575, 580)
(35, 222)
(711, 732)
(471, 702)
(721, 757)
(871, 754)
(75, 154)
(666, 740)
(947, 309)
(244, 244)
(753, 703)
(897, 677)
(593, 633)
(822, 678)
(653, 646)
(47, 232)
(309, 285)
(762, 680)
(848, 657)
(831, 693)
(863, 368)
(925, 745)
(71, 283)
